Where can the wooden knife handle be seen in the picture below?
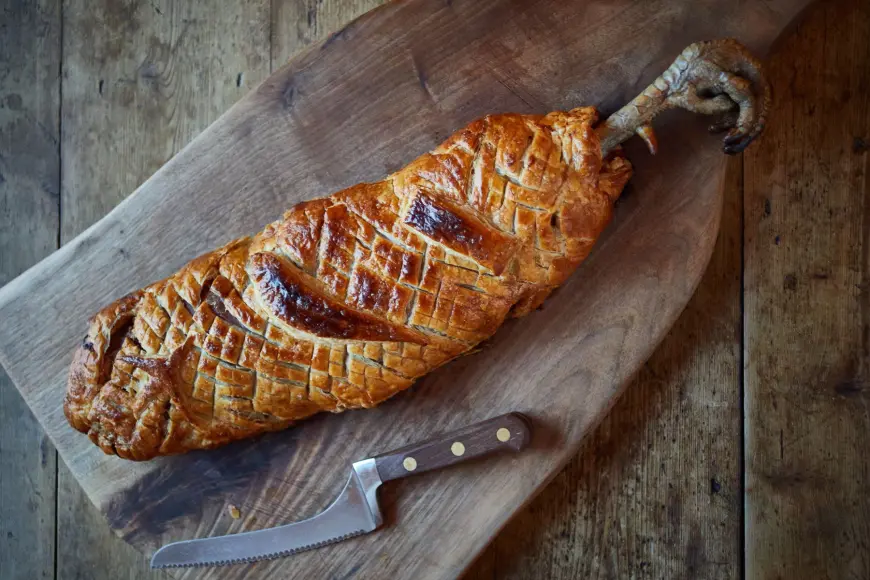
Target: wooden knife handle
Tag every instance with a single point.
(509, 431)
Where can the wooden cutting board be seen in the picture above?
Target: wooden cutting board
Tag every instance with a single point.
(369, 99)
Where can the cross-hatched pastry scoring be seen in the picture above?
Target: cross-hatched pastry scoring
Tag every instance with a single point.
(347, 300)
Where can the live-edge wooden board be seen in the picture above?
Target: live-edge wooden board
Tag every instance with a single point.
(370, 98)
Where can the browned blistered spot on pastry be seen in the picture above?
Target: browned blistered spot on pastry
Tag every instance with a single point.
(438, 222)
(290, 298)
(461, 233)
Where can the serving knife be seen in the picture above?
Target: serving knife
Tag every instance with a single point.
(355, 511)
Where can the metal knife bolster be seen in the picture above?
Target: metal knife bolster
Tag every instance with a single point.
(366, 472)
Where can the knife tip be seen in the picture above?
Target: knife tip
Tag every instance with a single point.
(157, 560)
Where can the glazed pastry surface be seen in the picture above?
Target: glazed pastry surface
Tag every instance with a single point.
(348, 299)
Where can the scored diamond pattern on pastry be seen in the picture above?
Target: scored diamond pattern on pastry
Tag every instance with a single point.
(348, 299)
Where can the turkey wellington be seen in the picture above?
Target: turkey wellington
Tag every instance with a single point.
(349, 299)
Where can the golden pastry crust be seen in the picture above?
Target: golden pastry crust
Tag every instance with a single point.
(348, 299)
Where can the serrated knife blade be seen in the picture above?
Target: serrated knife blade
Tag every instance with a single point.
(355, 511)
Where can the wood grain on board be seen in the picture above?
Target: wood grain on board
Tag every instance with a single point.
(509, 81)
(807, 313)
(655, 491)
(29, 179)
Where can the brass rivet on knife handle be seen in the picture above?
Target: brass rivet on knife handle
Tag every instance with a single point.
(512, 432)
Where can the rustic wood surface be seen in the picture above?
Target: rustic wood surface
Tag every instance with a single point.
(29, 186)
(807, 280)
(602, 516)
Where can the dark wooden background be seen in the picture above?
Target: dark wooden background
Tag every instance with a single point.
(739, 449)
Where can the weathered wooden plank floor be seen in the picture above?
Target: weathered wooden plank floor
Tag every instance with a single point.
(755, 404)
(807, 311)
(29, 223)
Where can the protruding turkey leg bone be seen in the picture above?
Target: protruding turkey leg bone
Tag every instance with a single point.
(719, 77)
